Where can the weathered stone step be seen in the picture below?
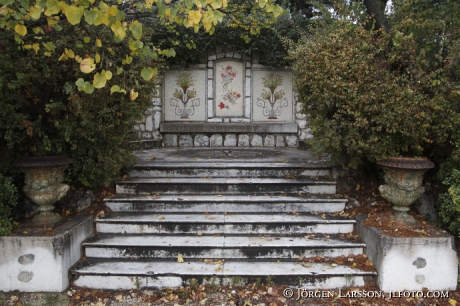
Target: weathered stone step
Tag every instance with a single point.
(225, 203)
(245, 186)
(233, 169)
(233, 224)
(152, 246)
(126, 275)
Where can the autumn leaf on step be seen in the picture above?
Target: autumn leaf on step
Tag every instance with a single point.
(161, 217)
(453, 302)
(180, 258)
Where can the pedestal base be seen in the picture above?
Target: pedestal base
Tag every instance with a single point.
(410, 263)
(41, 263)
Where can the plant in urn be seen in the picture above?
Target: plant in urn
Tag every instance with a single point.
(403, 178)
(43, 179)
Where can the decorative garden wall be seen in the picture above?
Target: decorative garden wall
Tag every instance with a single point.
(229, 101)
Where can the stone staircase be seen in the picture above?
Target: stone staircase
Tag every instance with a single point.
(232, 215)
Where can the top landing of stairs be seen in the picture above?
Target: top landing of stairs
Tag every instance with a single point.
(228, 156)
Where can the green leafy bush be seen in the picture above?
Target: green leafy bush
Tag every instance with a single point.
(43, 113)
(449, 203)
(8, 199)
(371, 94)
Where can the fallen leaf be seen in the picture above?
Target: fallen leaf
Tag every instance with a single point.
(199, 234)
(179, 258)
(14, 298)
(25, 232)
(161, 217)
(453, 302)
(119, 298)
(272, 292)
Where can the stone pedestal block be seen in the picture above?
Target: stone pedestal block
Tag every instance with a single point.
(291, 141)
(269, 141)
(41, 263)
(243, 140)
(257, 141)
(410, 263)
(185, 141)
(170, 140)
(216, 140)
(230, 140)
(280, 141)
(201, 141)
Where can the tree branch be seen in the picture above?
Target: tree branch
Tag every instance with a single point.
(376, 9)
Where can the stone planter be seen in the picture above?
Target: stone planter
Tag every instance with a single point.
(403, 178)
(44, 177)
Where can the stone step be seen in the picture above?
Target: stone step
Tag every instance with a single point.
(231, 247)
(225, 203)
(240, 186)
(232, 224)
(229, 170)
(126, 275)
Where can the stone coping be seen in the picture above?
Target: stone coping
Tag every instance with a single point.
(201, 127)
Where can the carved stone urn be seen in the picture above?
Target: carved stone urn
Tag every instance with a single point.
(43, 179)
(403, 178)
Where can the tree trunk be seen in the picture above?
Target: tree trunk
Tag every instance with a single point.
(376, 9)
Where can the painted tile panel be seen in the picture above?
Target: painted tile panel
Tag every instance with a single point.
(185, 95)
(229, 93)
(272, 99)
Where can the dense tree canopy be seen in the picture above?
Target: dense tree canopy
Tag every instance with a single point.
(37, 24)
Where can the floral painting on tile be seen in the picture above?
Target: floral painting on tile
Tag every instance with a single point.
(272, 100)
(183, 101)
(229, 89)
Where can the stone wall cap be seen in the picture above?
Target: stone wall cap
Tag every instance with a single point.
(407, 163)
(42, 161)
(246, 127)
